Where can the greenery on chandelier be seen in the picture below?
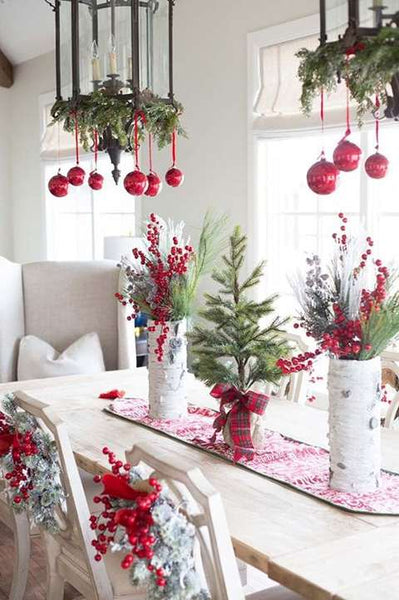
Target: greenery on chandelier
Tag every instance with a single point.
(367, 71)
(99, 111)
(237, 349)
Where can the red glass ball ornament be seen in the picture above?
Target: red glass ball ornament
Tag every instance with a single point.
(136, 183)
(58, 185)
(76, 175)
(96, 180)
(174, 177)
(154, 185)
(322, 177)
(346, 156)
(376, 166)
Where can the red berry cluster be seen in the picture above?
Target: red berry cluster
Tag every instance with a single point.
(161, 273)
(302, 362)
(21, 446)
(136, 521)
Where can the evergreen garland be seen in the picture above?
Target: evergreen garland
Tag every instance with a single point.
(34, 478)
(237, 350)
(368, 72)
(99, 111)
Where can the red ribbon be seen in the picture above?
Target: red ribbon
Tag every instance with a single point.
(243, 404)
(138, 114)
(76, 137)
(377, 123)
(6, 442)
(174, 148)
(116, 487)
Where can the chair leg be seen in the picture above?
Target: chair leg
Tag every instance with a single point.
(55, 582)
(22, 555)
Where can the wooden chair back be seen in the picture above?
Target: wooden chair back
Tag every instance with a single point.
(202, 505)
(73, 515)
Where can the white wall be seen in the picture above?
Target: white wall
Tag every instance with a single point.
(6, 239)
(210, 80)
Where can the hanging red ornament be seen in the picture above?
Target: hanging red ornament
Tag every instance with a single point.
(322, 177)
(96, 180)
(58, 185)
(76, 175)
(154, 185)
(174, 177)
(154, 181)
(376, 166)
(346, 155)
(136, 183)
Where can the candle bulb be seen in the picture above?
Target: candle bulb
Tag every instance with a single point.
(377, 3)
(95, 63)
(130, 68)
(113, 70)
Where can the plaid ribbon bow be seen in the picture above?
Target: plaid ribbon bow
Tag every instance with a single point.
(240, 423)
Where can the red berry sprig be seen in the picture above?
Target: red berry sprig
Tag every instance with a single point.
(136, 520)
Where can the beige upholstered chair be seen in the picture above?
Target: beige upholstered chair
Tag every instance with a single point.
(59, 302)
(71, 555)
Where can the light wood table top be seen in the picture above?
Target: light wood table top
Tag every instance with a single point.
(311, 547)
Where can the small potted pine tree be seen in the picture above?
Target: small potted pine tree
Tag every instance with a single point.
(236, 349)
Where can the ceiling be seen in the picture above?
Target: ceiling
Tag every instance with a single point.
(26, 29)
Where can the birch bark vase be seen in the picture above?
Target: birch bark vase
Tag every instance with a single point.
(167, 379)
(354, 390)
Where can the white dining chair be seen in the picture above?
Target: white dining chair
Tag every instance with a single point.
(18, 523)
(70, 554)
(390, 377)
(293, 387)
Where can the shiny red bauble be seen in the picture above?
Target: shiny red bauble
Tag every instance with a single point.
(376, 166)
(58, 185)
(174, 177)
(346, 156)
(322, 177)
(136, 183)
(154, 185)
(95, 180)
(76, 175)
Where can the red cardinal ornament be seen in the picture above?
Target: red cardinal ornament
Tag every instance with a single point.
(136, 183)
(154, 185)
(174, 177)
(96, 180)
(76, 175)
(346, 156)
(376, 166)
(322, 177)
(58, 185)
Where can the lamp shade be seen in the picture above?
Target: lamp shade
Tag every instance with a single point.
(116, 246)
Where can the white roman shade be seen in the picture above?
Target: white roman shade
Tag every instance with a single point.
(277, 105)
(56, 143)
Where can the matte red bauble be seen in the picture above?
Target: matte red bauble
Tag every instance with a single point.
(136, 183)
(174, 177)
(76, 175)
(322, 177)
(154, 185)
(376, 166)
(95, 180)
(58, 185)
(346, 156)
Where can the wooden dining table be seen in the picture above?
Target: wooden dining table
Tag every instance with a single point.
(313, 548)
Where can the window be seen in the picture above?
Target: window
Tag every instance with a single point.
(78, 223)
(298, 221)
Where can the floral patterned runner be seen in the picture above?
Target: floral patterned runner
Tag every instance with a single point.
(296, 464)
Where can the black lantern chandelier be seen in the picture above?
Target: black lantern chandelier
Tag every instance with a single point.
(114, 61)
(356, 32)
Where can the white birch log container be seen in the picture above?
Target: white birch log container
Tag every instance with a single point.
(354, 390)
(167, 379)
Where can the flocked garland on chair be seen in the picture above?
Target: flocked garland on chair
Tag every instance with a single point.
(140, 519)
(29, 463)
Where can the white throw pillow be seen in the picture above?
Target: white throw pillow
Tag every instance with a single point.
(37, 359)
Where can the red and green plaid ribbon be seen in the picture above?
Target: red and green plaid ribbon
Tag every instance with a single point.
(242, 405)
